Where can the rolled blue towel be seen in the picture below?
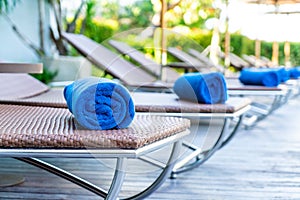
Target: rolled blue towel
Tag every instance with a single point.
(264, 77)
(283, 73)
(294, 72)
(207, 88)
(99, 104)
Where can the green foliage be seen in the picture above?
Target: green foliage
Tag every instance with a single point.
(184, 42)
(46, 77)
(138, 14)
(189, 13)
(266, 49)
(100, 29)
(201, 37)
(132, 38)
(186, 14)
(242, 45)
(96, 28)
(235, 44)
(90, 11)
(295, 54)
(110, 9)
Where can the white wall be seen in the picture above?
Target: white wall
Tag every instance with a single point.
(25, 16)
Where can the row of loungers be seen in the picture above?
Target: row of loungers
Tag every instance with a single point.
(279, 94)
(196, 61)
(36, 123)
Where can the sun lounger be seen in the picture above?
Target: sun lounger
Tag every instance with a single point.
(235, 86)
(29, 133)
(114, 64)
(279, 95)
(231, 115)
(27, 86)
(33, 127)
(194, 54)
(166, 104)
(206, 60)
(168, 74)
(135, 77)
(197, 64)
(235, 61)
(257, 62)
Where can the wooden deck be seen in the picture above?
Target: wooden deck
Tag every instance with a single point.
(259, 163)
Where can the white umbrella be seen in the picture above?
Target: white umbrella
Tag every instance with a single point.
(276, 22)
(273, 27)
(267, 20)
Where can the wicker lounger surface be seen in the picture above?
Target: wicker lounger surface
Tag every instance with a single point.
(46, 127)
(144, 102)
(163, 102)
(50, 98)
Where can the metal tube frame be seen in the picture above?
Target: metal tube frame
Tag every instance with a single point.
(202, 156)
(118, 178)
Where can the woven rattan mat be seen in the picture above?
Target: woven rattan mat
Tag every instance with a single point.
(144, 102)
(46, 127)
(163, 102)
(15, 86)
(51, 98)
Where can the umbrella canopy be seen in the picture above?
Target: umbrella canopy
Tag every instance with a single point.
(272, 2)
(268, 20)
(273, 27)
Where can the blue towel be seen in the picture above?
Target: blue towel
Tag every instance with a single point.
(294, 72)
(264, 77)
(283, 73)
(99, 104)
(202, 88)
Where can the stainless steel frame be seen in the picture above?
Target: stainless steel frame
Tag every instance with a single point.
(260, 110)
(198, 154)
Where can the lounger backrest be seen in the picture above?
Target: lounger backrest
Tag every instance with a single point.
(146, 63)
(205, 59)
(237, 61)
(18, 86)
(185, 57)
(109, 61)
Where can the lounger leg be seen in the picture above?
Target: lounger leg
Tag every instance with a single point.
(118, 179)
(233, 132)
(115, 187)
(164, 174)
(262, 111)
(200, 155)
(64, 174)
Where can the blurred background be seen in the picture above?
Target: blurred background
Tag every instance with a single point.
(265, 30)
